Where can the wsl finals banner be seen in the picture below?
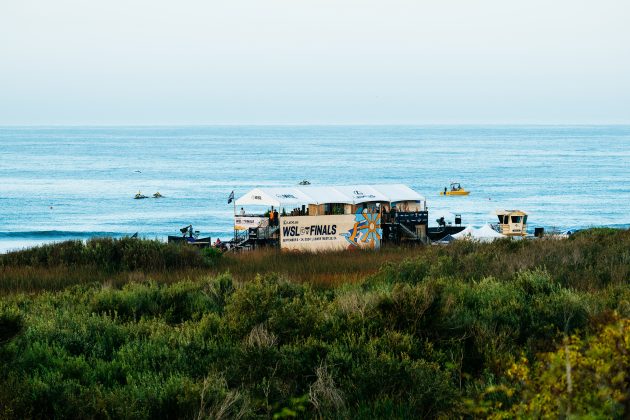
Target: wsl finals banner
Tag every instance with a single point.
(247, 222)
(327, 233)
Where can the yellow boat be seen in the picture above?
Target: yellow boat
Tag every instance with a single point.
(456, 189)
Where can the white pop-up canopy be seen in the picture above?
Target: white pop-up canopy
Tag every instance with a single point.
(273, 197)
(487, 234)
(467, 233)
(348, 194)
(484, 234)
(361, 193)
(321, 195)
(398, 192)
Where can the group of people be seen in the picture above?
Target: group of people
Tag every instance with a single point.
(454, 187)
(273, 216)
(299, 212)
(381, 208)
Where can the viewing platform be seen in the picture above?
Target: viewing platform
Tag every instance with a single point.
(317, 218)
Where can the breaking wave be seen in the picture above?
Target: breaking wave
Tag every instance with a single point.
(58, 234)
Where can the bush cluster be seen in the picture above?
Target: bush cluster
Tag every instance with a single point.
(111, 255)
(426, 337)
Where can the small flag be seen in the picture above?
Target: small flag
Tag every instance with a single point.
(231, 197)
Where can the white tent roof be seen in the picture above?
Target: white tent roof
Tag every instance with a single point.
(466, 233)
(486, 233)
(273, 197)
(361, 193)
(398, 192)
(349, 194)
(321, 195)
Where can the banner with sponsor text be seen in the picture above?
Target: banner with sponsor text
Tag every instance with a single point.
(246, 222)
(327, 233)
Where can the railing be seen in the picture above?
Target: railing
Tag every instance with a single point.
(409, 232)
(413, 217)
(249, 236)
(406, 217)
(267, 231)
(240, 235)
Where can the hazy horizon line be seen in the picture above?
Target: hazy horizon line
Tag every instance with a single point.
(318, 124)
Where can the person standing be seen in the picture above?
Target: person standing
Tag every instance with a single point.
(275, 217)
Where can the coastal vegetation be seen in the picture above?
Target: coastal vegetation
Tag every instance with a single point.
(139, 329)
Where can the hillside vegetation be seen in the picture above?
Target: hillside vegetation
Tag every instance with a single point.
(140, 329)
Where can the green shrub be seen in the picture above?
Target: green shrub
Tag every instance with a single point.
(211, 255)
(175, 303)
(288, 309)
(143, 329)
(11, 323)
(112, 255)
(220, 288)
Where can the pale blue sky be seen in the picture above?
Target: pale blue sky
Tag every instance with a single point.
(314, 61)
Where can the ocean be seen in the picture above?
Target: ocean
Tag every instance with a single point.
(59, 183)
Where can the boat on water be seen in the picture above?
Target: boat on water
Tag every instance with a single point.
(456, 189)
(191, 237)
(157, 195)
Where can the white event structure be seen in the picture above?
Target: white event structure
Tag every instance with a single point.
(487, 234)
(484, 234)
(348, 194)
(465, 234)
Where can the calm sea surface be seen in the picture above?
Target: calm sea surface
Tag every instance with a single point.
(59, 183)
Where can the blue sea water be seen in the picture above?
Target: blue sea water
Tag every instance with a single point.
(58, 183)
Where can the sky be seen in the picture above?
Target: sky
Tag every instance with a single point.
(124, 62)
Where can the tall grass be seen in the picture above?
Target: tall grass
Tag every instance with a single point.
(586, 260)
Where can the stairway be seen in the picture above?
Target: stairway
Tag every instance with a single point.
(272, 230)
(409, 232)
(263, 233)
